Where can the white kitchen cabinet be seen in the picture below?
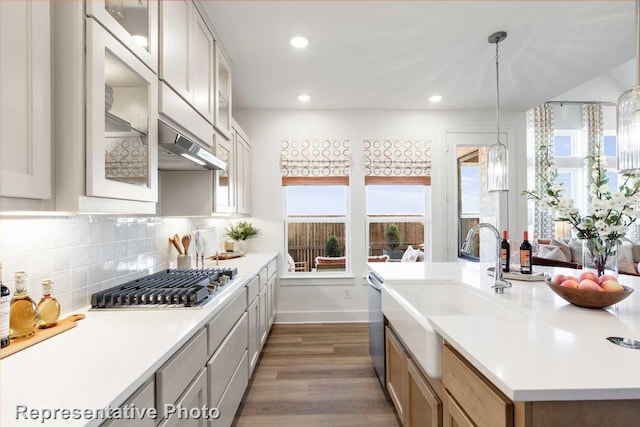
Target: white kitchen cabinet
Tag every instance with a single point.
(144, 397)
(253, 317)
(175, 20)
(133, 23)
(271, 298)
(263, 316)
(187, 56)
(105, 108)
(202, 57)
(243, 170)
(224, 191)
(25, 72)
(195, 397)
(223, 94)
(122, 142)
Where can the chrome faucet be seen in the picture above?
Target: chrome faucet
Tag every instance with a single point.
(499, 284)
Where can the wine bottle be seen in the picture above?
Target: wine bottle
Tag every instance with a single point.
(525, 255)
(5, 302)
(505, 252)
(23, 312)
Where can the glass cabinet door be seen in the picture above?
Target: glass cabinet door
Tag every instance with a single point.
(122, 157)
(224, 191)
(133, 22)
(223, 95)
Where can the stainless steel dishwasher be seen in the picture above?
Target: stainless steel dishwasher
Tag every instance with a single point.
(376, 326)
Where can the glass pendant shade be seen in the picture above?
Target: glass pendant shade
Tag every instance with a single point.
(628, 112)
(497, 168)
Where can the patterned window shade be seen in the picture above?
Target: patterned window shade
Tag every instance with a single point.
(540, 134)
(315, 162)
(397, 161)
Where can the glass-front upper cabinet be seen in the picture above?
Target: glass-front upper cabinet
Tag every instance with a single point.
(122, 114)
(133, 22)
(224, 191)
(223, 94)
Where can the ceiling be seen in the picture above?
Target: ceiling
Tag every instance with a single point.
(395, 54)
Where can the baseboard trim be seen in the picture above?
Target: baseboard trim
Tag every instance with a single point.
(350, 316)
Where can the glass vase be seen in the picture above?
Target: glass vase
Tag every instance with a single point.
(600, 256)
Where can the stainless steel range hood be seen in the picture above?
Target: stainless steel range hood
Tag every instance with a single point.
(177, 152)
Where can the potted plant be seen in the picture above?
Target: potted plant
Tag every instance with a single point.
(332, 248)
(240, 233)
(394, 239)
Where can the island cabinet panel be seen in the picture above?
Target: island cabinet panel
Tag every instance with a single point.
(453, 415)
(144, 397)
(397, 374)
(590, 413)
(480, 400)
(424, 407)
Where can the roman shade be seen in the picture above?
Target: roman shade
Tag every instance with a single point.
(315, 162)
(389, 161)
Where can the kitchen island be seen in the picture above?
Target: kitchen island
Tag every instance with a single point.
(112, 354)
(528, 345)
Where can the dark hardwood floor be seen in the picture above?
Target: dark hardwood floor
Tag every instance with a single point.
(316, 375)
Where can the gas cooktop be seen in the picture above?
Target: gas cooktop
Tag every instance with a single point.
(192, 288)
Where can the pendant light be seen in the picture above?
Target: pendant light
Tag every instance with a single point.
(628, 112)
(498, 157)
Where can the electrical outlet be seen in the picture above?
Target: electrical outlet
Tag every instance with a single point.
(347, 293)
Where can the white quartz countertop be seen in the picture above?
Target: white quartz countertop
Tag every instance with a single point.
(107, 357)
(542, 348)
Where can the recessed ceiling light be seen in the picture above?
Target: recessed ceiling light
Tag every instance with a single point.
(299, 42)
(304, 98)
(435, 98)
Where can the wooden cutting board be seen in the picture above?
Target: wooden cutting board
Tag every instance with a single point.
(227, 255)
(41, 335)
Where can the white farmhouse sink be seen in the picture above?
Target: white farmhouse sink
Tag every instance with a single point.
(408, 307)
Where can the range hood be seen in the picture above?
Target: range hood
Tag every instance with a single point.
(177, 152)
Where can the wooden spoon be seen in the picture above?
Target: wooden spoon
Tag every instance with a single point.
(174, 240)
(186, 241)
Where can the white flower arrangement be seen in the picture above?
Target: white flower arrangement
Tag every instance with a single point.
(609, 213)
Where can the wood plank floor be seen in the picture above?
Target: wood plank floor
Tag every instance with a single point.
(316, 375)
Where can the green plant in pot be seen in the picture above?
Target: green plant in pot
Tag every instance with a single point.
(240, 233)
(394, 239)
(332, 248)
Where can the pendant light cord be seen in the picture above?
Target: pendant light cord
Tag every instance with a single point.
(498, 93)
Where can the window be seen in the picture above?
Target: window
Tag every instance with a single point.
(396, 218)
(315, 179)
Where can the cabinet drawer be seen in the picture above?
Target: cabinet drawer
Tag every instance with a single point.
(454, 416)
(263, 277)
(220, 326)
(252, 289)
(272, 267)
(174, 377)
(232, 396)
(144, 397)
(481, 401)
(226, 358)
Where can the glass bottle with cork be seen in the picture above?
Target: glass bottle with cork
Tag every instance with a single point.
(48, 307)
(525, 255)
(23, 312)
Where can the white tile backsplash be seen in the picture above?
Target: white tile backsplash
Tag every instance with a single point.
(84, 254)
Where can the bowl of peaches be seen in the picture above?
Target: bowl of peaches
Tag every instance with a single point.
(588, 290)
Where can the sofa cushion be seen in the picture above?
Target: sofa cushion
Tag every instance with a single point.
(565, 248)
(410, 255)
(551, 252)
(625, 259)
(576, 250)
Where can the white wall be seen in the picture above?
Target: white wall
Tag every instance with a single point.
(325, 299)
